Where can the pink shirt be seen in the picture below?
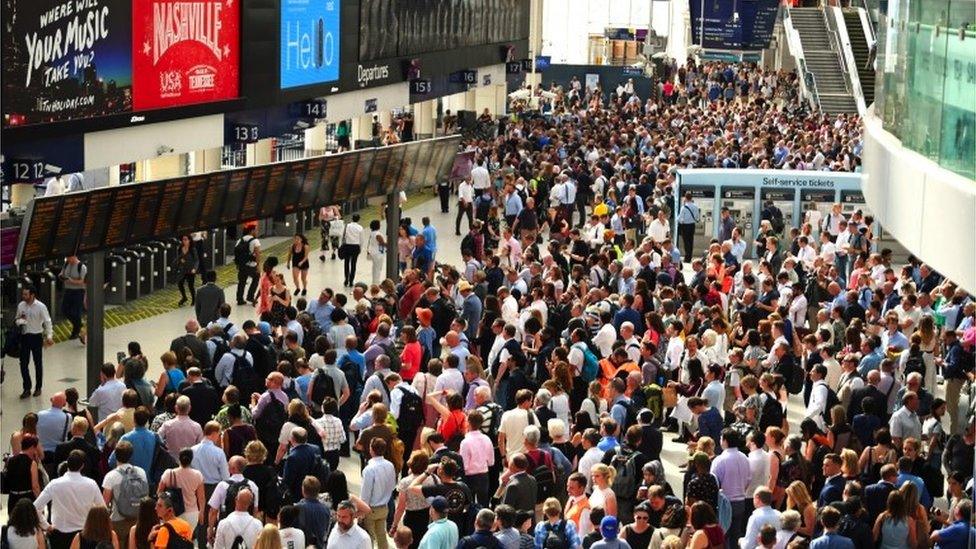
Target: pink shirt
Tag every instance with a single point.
(180, 432)
(477, 453)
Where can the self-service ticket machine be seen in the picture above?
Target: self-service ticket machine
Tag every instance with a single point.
(819, 201)
(704, 198)
(784, 200)
(741, 202)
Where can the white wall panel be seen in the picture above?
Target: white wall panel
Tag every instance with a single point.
(113, 147)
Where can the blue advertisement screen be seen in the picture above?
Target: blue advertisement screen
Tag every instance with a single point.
(309, 42)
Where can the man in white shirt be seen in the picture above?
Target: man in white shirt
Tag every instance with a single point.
(818, 396)
(34, 321)
(108, 396)
(592, 454)
(511, 430)
(238, 523)
(605, 337)
(236, 465)
(660, 228)
(465, 204)
(480, 178)
(71, 496)
(763, 515)
(347, 534)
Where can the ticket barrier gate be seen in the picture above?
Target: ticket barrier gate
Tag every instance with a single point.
(133, 274)
(157, 274)
(286, 225)
(171, 249)
(117, 268)
(147, 267)
(220, 247)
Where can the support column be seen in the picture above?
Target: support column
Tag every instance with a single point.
(392, 224)
(95, 320)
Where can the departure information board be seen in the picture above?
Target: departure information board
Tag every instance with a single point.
(361, 178)
(116, 216)
(144, 216)
(68, 231)
(347, 170)
(272, 193)
(234, 196)
(293, 187)
(254, 197)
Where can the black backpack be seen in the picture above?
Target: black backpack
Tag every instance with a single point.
(221, 348)
(772, 413)
(390, 350)
(244, 376)
(794, 377)
(556, 537)
(411, 412)
(175, 540)
(467, 243)
(354, 376)
(242, 251)
(322, 386)
(545, 479)
(915, 364)
(268, 426)
(832, 401)
(230, 497)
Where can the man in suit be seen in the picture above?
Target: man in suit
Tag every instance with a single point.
(196, 345)
(870, 390)
(204, 399)
(833, 489)
(79, 427)
(518, 486)
(209, 299)
(876, 495)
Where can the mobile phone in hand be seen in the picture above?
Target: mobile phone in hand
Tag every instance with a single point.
(120, 356)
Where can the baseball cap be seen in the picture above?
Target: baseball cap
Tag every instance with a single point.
(609, 527)
(439, 503)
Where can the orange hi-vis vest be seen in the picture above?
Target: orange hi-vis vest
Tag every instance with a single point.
(575, 510)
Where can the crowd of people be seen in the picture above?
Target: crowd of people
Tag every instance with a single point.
(534, 394)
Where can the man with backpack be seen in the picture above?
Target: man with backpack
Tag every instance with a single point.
(628, 462)
(247, 254)
(236, 367)
(123, 487)
(239, 529)
(174, 532)
(268, 410)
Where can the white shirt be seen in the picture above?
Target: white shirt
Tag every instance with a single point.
(818, 403)
(71, 496)
(34, 318)
(675, 348)
(604, 339)
(450, 379)
(353, 538)
(292, 538)
(466, 192)
(107, 397)
(806, 254)
(480, 178)
(513, 424)
(590, 458)
(658, 230)
(759, 467)
(374, 249)
(842, 243)
(238, 523)
(510, 310)
(353, 234)
(798, 311)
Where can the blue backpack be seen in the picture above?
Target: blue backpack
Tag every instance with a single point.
(724, 511)
(591, 365)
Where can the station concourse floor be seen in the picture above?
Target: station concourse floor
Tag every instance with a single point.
(64, 363)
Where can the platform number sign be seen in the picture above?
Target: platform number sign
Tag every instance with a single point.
(24, 170)
(314, 109)
(245, 133)
(420, 86)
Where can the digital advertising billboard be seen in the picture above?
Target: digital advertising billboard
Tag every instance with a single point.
(184, 52)
(65, 60)
(309, 42)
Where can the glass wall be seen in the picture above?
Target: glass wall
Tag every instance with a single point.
(926, 79)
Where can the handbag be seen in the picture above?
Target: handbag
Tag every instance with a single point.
(343, 247)
(669, 397)
(175, 495)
